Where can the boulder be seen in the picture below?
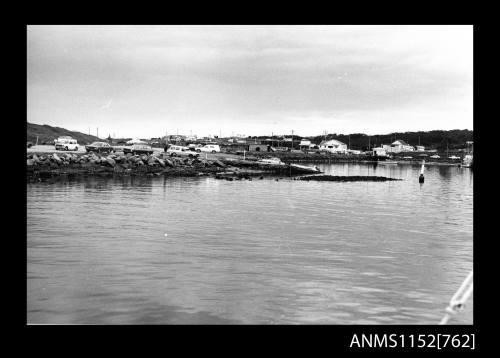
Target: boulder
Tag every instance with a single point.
(219, 163)
(111, 161)
(168, 162)
(56, 158)
(161, 162)
(139, 162)
(30, 162)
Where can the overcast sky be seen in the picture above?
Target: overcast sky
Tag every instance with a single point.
(145, 81)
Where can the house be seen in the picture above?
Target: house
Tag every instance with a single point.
(305, 144)
(420, 148)
(259, 148)
(379, 152)
(399, 146)
(333, 146)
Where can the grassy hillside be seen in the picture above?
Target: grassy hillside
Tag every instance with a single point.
(48, 133)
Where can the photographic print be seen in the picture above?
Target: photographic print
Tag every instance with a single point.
(249, 174)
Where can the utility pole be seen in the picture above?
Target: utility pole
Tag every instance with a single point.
(292, 138)
(97, 132)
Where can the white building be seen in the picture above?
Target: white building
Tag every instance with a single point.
(380, 152)
(398, 146)
(305, 144)
(333, 146)
(420, 148)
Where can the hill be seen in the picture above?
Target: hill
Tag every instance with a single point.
(48, 133)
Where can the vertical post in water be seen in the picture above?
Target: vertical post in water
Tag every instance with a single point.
(243, 154)
(36, 140)
(421, 177)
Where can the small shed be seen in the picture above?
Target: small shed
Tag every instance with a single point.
(259, 148)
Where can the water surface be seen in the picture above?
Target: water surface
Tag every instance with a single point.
(201, 250)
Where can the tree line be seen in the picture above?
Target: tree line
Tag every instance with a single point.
(435, 139)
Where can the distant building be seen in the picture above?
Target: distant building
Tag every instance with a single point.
(420, 148)
(333, 146)
(380, 152)
(399, 146)
(305, 144)
(259, 148)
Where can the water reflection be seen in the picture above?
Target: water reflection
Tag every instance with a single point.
(444, 171)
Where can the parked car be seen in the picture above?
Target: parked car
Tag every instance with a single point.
(177, 150)
(61, 139)
(138, 149)
(29, 144)
(99, 147)
(210, 148)
(66, 144)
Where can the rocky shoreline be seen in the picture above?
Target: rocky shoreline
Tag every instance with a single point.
(45, 166)
(346, 178)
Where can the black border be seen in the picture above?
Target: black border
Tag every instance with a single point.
(309, 339)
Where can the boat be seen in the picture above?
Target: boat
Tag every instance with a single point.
(469, 157)
(389, 162)
(468, 160)
(310, 169)
(454, 157)
(435, 156)
(271, 161)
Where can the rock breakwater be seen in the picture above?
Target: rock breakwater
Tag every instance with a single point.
(345, 178)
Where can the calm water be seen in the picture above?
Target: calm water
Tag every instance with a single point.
(201, 250)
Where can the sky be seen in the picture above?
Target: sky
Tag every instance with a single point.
(149, 81)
